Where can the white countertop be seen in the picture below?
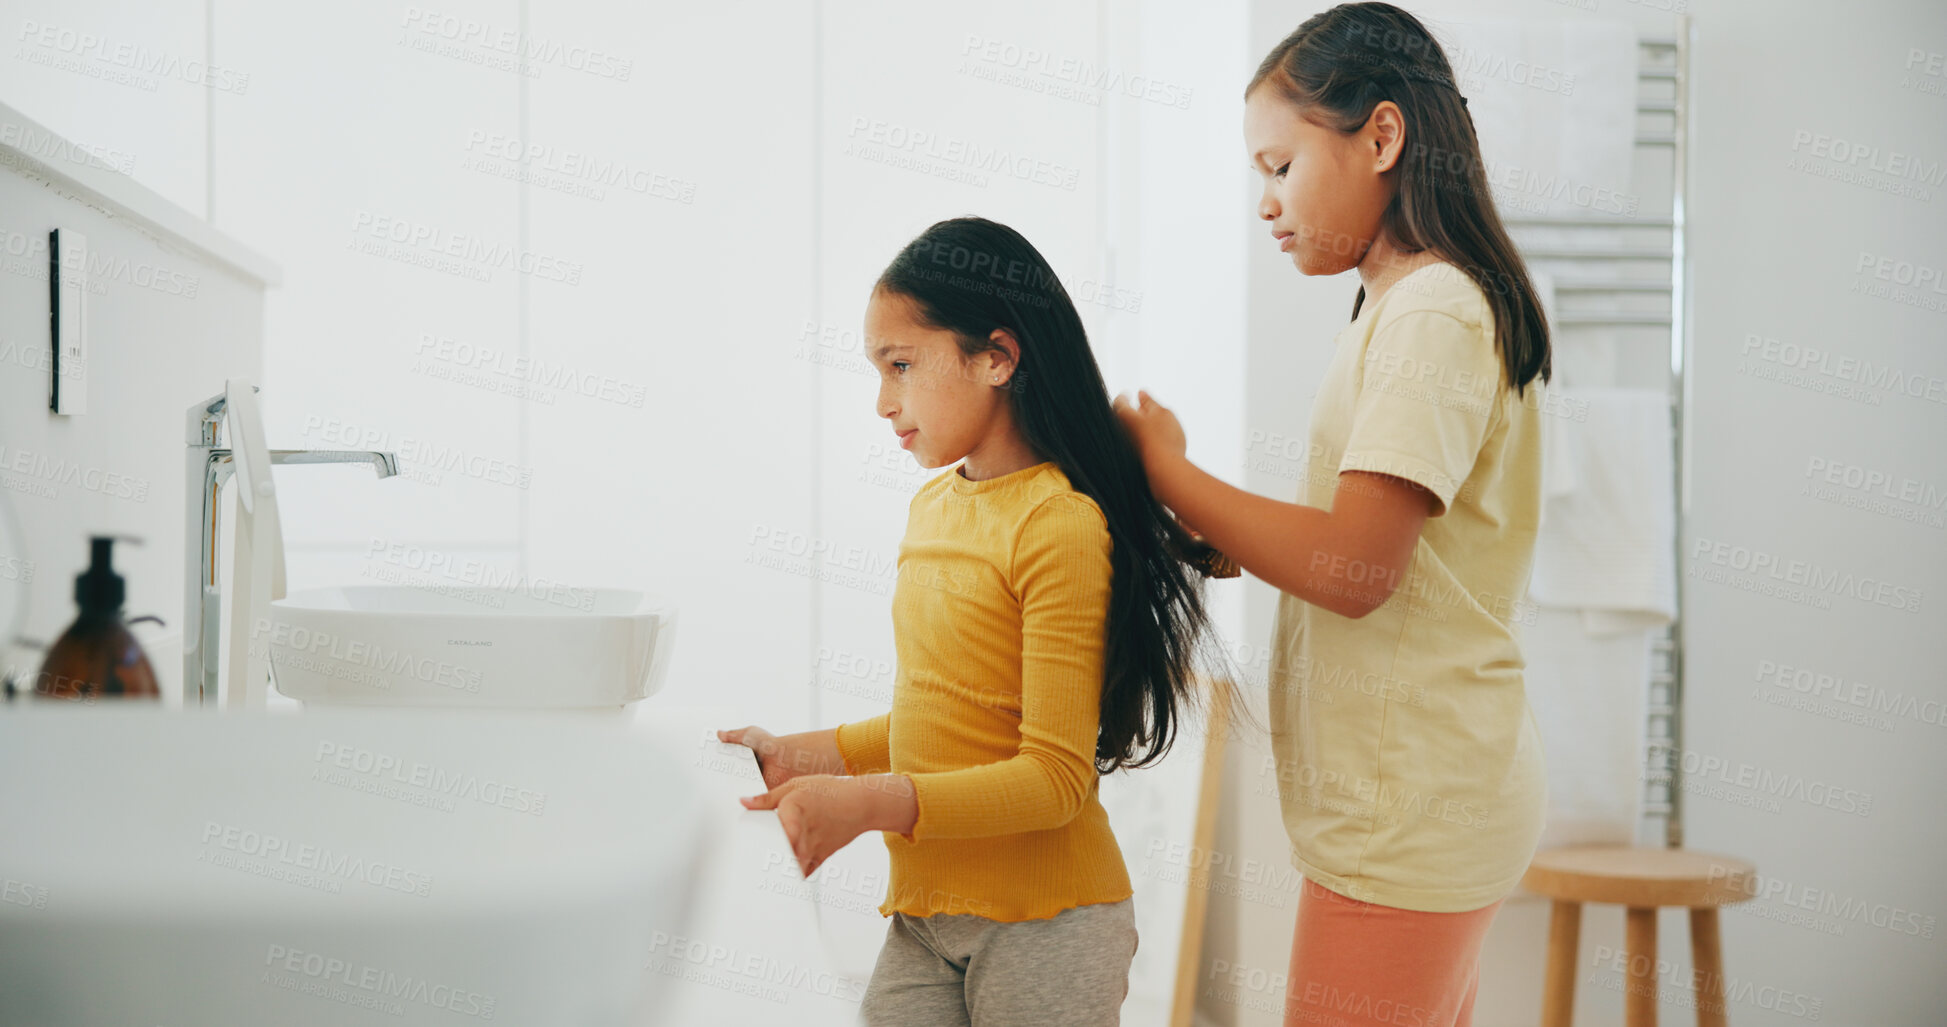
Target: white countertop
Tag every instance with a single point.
(761, 944)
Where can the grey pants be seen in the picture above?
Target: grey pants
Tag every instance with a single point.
(962, 969)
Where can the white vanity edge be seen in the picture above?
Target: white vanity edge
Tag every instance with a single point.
(120, 196)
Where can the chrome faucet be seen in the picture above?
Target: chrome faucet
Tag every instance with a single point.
(209, 466)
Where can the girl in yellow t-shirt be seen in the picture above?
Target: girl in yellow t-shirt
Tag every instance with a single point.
(1409, 765)
(1046, 620)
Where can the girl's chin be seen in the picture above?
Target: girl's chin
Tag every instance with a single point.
(1321, 264)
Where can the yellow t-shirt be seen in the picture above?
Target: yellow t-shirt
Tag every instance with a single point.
(998, 617)
(1409, 765)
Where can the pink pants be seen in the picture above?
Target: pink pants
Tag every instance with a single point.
(1356, 964)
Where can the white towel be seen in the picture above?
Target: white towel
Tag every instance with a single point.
(1554, 106)
(1588, 693)
(257, 554)
(1604, 579)
(1607, 546)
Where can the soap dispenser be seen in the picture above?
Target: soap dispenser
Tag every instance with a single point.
(97, 655)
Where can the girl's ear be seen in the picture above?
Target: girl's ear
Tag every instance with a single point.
(1010, 353)
(1387, 132)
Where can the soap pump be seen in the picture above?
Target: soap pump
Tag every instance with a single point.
(97, 655)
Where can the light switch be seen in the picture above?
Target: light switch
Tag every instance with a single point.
(67, 288)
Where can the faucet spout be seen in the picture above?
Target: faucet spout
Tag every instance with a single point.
(385, 463)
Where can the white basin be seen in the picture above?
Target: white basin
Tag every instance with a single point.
(338, 867)
(485, 648)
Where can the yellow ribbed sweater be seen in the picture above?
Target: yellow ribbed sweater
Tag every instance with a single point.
(998, 617)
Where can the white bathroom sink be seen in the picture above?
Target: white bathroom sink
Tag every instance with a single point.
(338, 867)
(488, 648)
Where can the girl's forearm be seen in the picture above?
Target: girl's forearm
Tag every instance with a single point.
(1293, 547)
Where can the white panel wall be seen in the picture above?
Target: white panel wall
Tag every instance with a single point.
(694, 277)
(128, 84)
(500, 332)
(344, 158)
(1801, 247)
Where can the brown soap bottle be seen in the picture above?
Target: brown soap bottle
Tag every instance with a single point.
(97, 656)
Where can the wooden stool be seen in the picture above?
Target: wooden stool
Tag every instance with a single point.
(1641, 879)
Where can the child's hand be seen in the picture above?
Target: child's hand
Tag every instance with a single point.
(822, 813)
(1155, 431)
(778, 759)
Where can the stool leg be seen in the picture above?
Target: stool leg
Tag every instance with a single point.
(1639, 987)
(1708, 977)
(1558, 989)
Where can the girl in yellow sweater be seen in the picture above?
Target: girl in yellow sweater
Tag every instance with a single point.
(1046, 619)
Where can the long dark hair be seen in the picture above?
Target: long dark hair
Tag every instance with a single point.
(970, 276)
(1336, 67)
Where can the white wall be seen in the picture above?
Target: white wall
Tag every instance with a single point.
(756, 427)
(1778, 249)
(123, 81)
